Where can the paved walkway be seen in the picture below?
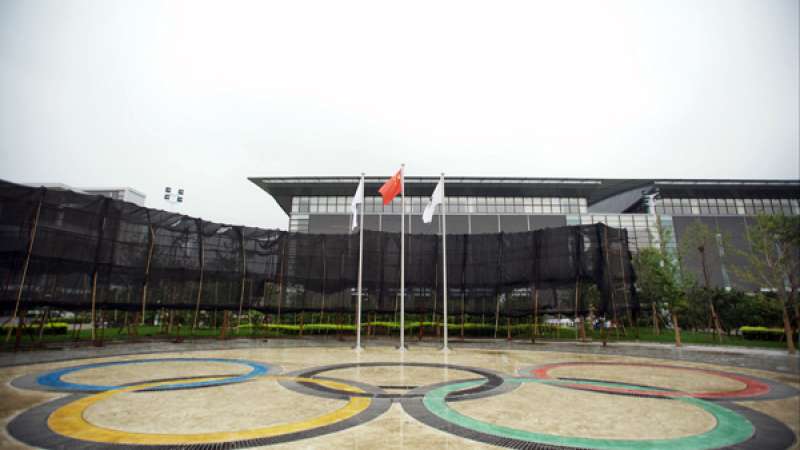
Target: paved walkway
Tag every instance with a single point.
(751, 358)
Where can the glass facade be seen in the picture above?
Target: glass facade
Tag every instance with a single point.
(516, 214)
(455, 205)
(642, 228)
(520, 205)
(726, 206)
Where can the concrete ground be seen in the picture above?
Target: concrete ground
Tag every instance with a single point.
(305, 393)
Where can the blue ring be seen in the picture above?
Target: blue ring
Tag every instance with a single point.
(53, 379)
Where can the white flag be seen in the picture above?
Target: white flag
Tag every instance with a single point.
(357, 198)
(437, 198)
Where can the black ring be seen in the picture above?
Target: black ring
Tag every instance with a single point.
(495, 383)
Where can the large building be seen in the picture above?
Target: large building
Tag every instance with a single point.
(490, 205)
(126, 194)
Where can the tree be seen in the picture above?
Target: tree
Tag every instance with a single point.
(737, 309)
(697, 239)
(659, 282)
(773, 262)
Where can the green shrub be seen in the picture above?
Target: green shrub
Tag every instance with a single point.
(52, 328)
(764, 333)
(486, 330)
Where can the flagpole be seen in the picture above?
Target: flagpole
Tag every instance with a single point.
(402, 257)
(360, 269)
(445, 348)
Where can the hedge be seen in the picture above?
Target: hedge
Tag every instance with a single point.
(764, 333)
(49, 328)
(412, 328)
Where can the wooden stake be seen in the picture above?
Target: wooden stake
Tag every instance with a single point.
(244, 278)
(302, 320)
(94, 296)
(656, 330)
(225, 322)
(202, 271)
(146, 282)
(280, 280)
(77, 332)
(124, 324)
(42, 322)
(133, 327)
(31, 240)
(677, 329)
(99, 341)
(20, 325)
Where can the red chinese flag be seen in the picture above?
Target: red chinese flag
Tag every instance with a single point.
(392, 187)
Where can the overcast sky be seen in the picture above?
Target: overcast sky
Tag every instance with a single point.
(202, 95)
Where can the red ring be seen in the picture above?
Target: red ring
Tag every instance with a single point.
(752, 387)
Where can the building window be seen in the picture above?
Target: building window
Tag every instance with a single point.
(472, 204)
(303, 205)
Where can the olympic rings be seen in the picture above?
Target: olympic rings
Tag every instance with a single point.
(731, 427)
(53, 381)
(493, 383)
(69, 420)
(753, 388)
(61, 422)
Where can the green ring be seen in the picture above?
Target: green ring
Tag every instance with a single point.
(731, 427)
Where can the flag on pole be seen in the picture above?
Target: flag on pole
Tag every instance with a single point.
(392, 187)
(358, 197)
(437, 198)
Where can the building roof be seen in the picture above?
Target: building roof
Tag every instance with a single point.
(112, 189)
(615, 191)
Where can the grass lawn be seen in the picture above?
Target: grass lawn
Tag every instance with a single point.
(471, 330)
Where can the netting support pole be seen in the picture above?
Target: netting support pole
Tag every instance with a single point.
(202, 270)
(31, 240)
(151, 245)
(280, 280)
(402, 347)
(625, 285)
(360, 193)
(244, 278)
(496, 314)
(100, 233)
(536, 311)
(94, 301)
(610, 282)
(577, 298)
(324, 281)
(462, 314)
(444, 266)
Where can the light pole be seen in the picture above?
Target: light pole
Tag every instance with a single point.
(173, 197)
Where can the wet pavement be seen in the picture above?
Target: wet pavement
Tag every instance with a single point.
(744, 357)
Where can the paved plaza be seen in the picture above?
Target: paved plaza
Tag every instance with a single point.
(316, 394)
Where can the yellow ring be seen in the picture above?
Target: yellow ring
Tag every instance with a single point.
(68, 420)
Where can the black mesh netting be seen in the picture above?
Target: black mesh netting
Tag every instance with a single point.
(130, 257)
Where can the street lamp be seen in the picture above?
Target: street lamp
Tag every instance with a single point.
(173, 197)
